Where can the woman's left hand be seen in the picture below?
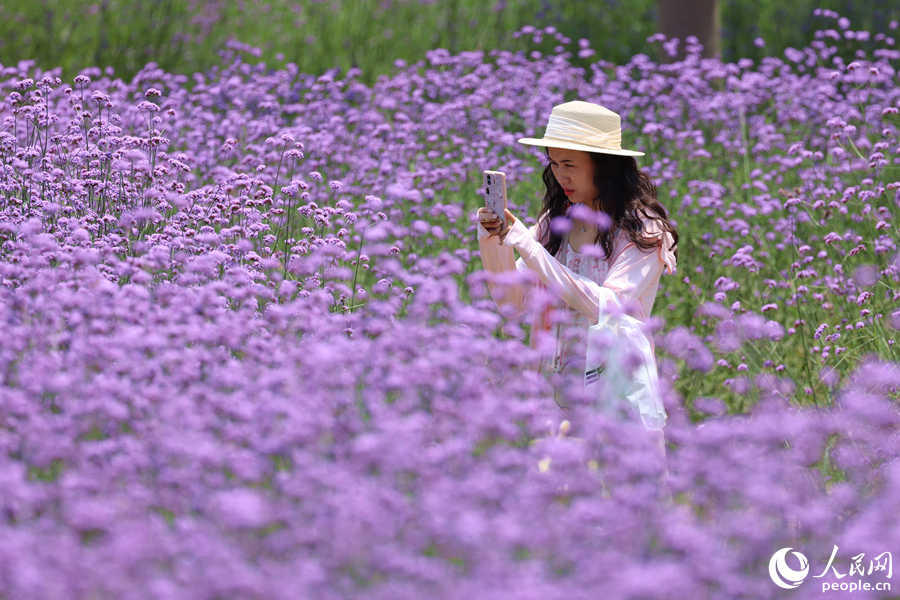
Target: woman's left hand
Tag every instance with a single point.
(510, 221)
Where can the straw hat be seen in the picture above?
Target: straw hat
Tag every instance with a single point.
(583, 126)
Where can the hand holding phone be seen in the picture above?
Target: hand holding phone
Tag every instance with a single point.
(495, 194)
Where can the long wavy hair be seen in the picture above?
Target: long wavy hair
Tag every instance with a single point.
(626, 194)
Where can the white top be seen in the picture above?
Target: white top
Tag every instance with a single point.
(582, 282)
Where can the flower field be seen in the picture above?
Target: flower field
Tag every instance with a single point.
(247, 349)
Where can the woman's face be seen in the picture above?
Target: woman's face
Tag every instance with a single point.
(574, 172)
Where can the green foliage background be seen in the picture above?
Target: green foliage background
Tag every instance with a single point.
(185, 36)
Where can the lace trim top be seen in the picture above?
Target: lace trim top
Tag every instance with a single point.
(582, 281)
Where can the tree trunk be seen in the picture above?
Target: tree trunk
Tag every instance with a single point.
(682, 18)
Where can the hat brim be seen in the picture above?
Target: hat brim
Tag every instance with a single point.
(551, 143)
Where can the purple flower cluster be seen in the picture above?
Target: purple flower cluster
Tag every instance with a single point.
(246, 352)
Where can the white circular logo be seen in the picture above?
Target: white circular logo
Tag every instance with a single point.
(783, 575)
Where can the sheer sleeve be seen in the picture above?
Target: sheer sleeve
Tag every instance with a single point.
(577, 291)
(633, 275)
(511, 295)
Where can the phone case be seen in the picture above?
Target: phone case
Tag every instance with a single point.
(495, 193)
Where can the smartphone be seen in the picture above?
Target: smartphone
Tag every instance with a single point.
(495, 194)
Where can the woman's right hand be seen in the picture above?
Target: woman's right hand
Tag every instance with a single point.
(493, 224)
(489, 220)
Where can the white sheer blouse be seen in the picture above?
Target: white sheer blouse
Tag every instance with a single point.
(584, 282)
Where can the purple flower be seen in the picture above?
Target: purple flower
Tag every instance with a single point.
(561, 225)
(209, 363)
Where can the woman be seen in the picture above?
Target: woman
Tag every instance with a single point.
(598, 263)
